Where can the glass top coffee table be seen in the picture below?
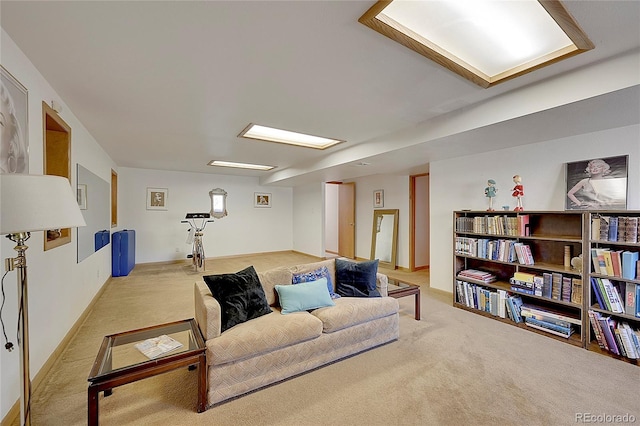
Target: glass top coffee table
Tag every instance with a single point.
(119, 361)
(399, 289)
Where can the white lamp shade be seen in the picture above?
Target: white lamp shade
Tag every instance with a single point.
(37, 203)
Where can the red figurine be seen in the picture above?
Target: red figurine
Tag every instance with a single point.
(518, 192)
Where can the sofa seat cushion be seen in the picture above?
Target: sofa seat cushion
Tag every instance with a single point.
(350, 311)
(261, 335)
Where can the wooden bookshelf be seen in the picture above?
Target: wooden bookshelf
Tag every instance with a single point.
(630, 282)
(548, 234)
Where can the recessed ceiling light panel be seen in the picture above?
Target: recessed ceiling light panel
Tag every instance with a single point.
(271, 134)
(232, 164)
(485, 41)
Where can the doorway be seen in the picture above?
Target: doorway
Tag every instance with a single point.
(340, 230)
(419, 222)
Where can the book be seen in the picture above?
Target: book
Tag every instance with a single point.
(595, 228)
(597, 330)
(556, 285)
(613, 228)
(611, 293)
(549, 330)
(616, 262)
(157, 346)
(629, 260)
(549, 314)
(631, 234)
(576, 290)
(604, 228)
(630, 299)
(598, 293)
(566, 289)
(607, 262)
(546, 284)
(524, 229)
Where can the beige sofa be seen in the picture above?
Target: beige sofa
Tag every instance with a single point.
(274, 347)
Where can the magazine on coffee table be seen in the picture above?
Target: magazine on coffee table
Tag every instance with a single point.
(157, 346)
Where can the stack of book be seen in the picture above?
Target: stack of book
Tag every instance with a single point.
(549, 321)
(615, 336)
(477, 275)
(523, 282)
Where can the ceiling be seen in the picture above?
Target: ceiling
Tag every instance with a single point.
(170, 85)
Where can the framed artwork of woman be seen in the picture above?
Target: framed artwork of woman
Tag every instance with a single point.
(597, 184)
(14, 143)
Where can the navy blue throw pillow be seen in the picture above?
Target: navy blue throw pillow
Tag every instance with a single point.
(356, 279)
(240, 295)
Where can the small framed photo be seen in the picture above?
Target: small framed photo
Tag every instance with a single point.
(378, 198)
(82, 196)
(157, 198)
(597, 184)
(261, 199)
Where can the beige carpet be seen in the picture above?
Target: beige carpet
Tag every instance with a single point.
(452, 367)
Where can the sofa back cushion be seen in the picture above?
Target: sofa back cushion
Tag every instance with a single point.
(269, 279)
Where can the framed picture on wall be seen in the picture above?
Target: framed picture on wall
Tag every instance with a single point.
(82, 196)
(597, 184)
(261, 199)
(378, 198)
(157, 198)
(14, 145)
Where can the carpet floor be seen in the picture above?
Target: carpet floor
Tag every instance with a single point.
(450, 368)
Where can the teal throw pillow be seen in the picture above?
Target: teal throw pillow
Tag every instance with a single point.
(304, 296)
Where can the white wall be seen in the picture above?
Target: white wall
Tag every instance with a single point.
(160, 236)
(331, 217)
(396, 196)
(59, 288)
(308, 219)
(459, 183)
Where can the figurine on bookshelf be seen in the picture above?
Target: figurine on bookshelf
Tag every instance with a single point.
(490, 193)
(518, 192)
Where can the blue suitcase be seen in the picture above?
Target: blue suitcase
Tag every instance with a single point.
(101, 239)
(123, 252)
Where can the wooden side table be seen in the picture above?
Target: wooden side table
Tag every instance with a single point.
(399, 289)
(119, 362)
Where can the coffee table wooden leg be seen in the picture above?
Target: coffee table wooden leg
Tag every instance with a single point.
(202, 383)
(418, 306)
(93, 406)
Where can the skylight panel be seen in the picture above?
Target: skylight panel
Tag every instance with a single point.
(485, 41)
(271, 134)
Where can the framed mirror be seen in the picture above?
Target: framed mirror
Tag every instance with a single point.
(218, 203)
(94, 200)
(384, 237)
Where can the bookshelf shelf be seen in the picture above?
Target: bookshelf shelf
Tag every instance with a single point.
(551, 238)
(612, 263)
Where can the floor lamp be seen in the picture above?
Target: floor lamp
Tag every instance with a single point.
(30, 203)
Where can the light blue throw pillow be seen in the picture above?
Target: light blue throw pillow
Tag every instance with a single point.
(304, 296)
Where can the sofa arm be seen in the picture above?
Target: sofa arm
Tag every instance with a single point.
(207, 311)
(382, 283)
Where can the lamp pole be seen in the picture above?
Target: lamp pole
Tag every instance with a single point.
(20, 263)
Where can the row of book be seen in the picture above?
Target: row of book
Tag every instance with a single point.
(615, 228)
(503, 250)
(616, 263)
(504, 304)
(498, 302)
(552, 285)
(617, 297)
(615, 336)
(495, 225)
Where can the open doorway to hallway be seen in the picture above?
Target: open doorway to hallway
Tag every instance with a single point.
(340, 234)
(419, 222)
